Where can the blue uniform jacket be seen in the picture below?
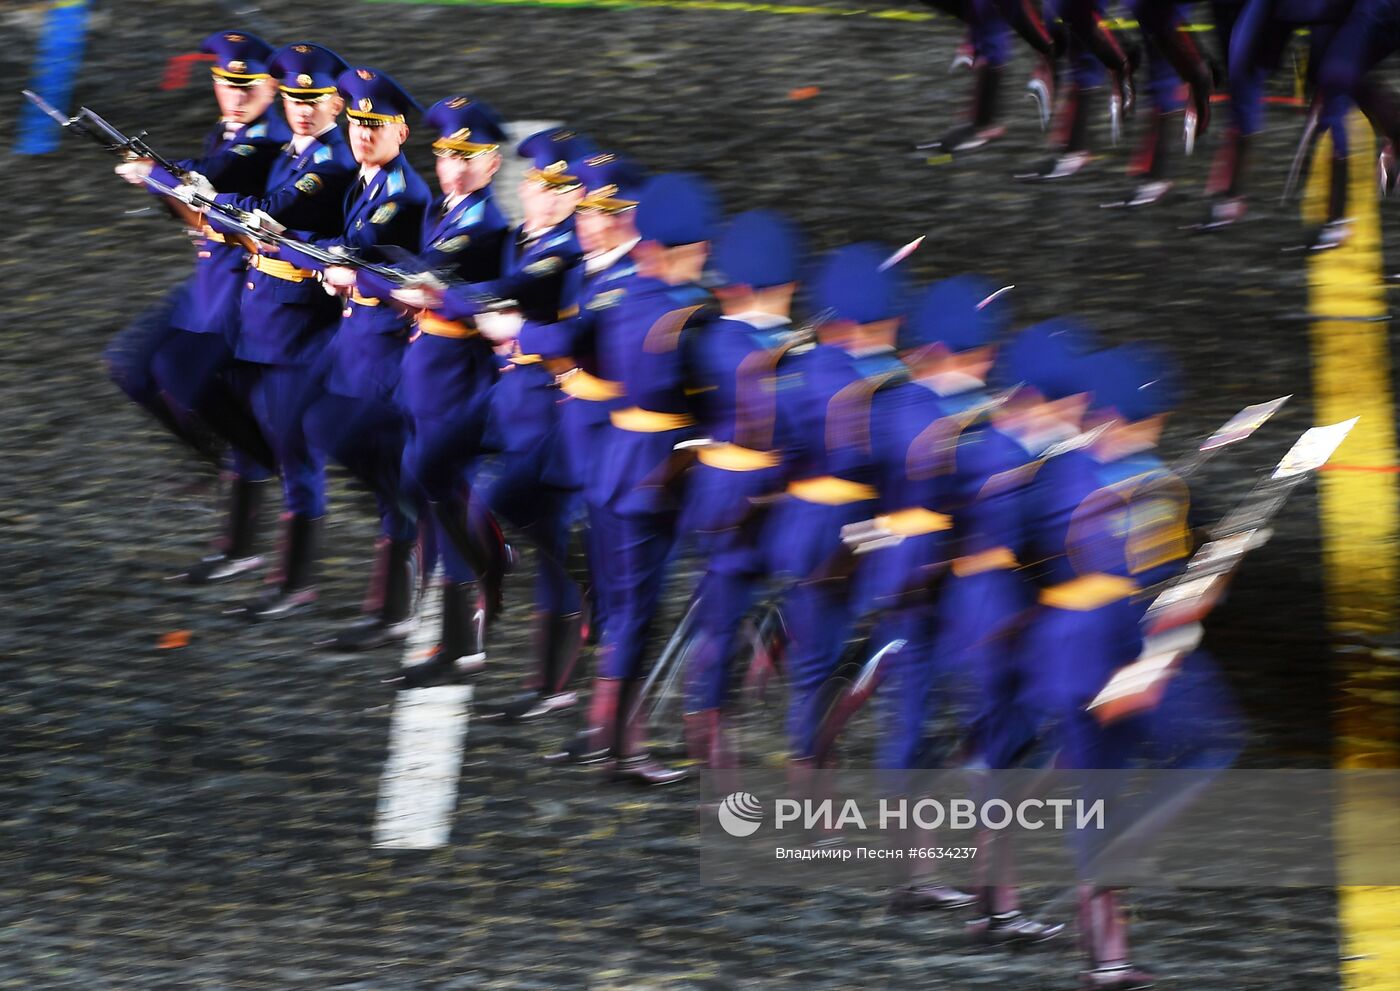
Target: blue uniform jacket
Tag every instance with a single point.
(285, 319)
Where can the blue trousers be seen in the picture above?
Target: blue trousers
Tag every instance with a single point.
(367, 437)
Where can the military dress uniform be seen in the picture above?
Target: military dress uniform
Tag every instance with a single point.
(516, 424)
(543, 494)
(639, 472)
(732, 369)
(353, 416)
(174, 359)
(286, 318)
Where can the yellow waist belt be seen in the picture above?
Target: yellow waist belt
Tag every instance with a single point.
(285, 271)
(431, 323)
(913, 522)
(645, 421)
(828, 490)
(581, 385)
(209, 234)
(732, 457)
(1088, 592)
(355, 297)
(995, 559)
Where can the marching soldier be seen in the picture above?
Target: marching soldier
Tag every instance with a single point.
(733, 369)
(285, 317)
(604, 224)
(538, 277)
(354, 417)
(178, 374)
(640, 346)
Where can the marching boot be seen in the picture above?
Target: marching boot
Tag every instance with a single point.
(1149, 164)
(596, 741)
(396, 578)
(295, 588)
(479, 541)
(925, 894)
(708, 742)
(462, 649)
(1337, 229)
(1225, 186)
(557, 641)
(981, 127)
(631, 761)
(1071, 136)
(235, 555)
(1104, 934)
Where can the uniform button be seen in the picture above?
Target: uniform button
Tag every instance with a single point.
(250, 285)
(345, 312)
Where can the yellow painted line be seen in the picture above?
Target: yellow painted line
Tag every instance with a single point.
(738, 6)
(1352, 377)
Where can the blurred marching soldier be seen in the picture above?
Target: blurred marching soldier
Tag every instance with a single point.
(518, 421)
(448, 368)
(175, 370)
(286, 317)
(1171, 58)
(1257, 43)
(351, 414)
(732, 370)
(1106, 528)
(987, 595)
(640, 345)
(561, 469)
(823, 399)
(1370, 33)
(1092, 52)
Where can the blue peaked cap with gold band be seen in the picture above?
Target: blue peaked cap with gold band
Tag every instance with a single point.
(760, 249)
(306, 72)
(373, 99)
(550, 151)
(951, 313)
(1051, 357)
(240, 58)
(1135, 381)
(611, 184)
(851, 285)
(465, 127)
(677, 208)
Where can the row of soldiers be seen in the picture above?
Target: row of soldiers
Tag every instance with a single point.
(1079, 57)
(574, 368)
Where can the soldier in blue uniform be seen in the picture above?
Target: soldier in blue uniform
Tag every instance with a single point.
(176, 369)
(988, 594)
(354, 418)
(732, 369)
(640, 346)
(1106, 524)
(286, 318)
(560, 468)
(823, 405)
(449, 368)
(537, 276)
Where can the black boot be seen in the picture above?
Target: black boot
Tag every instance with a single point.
(462, 650)
(394, 620)
(631, 762)
(235, 557)
(295, 589)
(981, 126)
(479, 541)
(557, 642)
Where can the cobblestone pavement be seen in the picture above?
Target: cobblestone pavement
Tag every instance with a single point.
(200, 817)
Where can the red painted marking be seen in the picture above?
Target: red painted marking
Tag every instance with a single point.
(1280, 101)
(177, 70)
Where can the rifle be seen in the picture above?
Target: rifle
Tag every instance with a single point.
(1171, 623)
(252, 226)
(92, 126)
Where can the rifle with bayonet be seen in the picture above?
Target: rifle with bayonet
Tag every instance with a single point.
(92, 126)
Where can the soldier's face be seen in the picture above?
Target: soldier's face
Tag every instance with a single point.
(598, 231)
(544, 208)
(241, 104)
(377, 145)
(460, 176)
(311, 118)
